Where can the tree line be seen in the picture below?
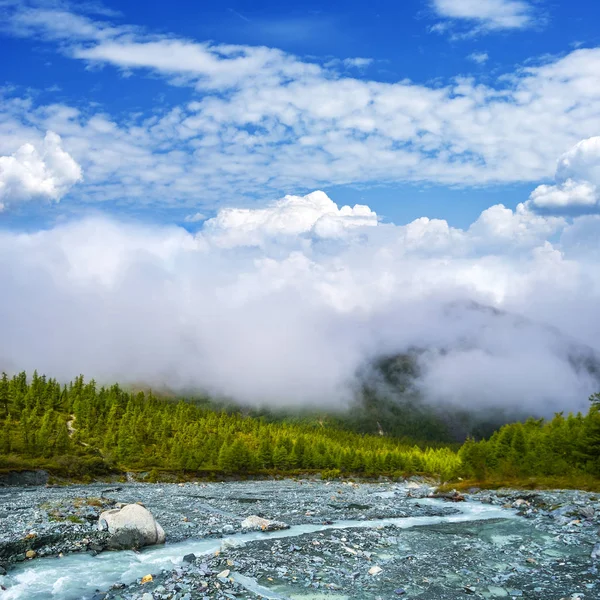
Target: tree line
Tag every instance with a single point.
(81, 428)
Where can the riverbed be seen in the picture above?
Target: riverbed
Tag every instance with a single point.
(346, 540)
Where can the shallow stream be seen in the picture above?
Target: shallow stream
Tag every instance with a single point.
(79, 576)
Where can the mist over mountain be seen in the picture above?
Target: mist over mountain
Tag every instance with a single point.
(414, 393)
(424, 392)
(295, 323)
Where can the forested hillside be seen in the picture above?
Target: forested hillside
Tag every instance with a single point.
(83, 430)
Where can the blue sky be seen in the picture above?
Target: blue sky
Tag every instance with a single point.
(59, 62)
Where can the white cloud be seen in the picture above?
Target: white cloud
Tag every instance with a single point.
(582, 162)
(195, 217)
(583, 238)
(292, 320)
(314, 131)
(479, 57)
(565, 195)
(488, 14)
(314, 213)
(211, 67)
(577, 181)
(521, 226)
(27, 19)
(29, 173)
(264, 122)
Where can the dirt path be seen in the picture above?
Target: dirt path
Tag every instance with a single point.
(71, 430)
(70, 427)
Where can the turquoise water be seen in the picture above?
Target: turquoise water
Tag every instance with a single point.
(78, 576)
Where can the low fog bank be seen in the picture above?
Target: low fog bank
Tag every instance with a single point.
(477, 378)
(291, 319)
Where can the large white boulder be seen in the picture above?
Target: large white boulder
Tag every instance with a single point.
(132, 525)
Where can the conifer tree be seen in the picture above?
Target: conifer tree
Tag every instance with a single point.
(4, 394)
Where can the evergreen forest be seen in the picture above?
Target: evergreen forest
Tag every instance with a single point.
(81, 430)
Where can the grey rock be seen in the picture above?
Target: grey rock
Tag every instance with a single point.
(133, 518)
(126, 539)
(25, 478)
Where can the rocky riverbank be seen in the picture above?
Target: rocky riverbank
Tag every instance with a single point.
(546, 547)
(59, 520)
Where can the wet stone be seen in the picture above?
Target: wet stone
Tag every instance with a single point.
(189, 558)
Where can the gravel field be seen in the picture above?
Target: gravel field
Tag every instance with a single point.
(345, 540)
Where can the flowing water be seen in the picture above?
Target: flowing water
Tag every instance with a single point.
(78, 576)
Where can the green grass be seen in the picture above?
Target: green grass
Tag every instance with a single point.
(575, 482)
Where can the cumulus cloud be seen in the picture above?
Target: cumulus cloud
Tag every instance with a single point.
(577, 181)
(569, 194)
(30, 173)
(522, 226)
(292, 320)
(487, 14)
(582, 162)
(290, 216)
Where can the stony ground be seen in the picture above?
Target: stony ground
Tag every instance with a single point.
(550, 551)
(51, 520)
